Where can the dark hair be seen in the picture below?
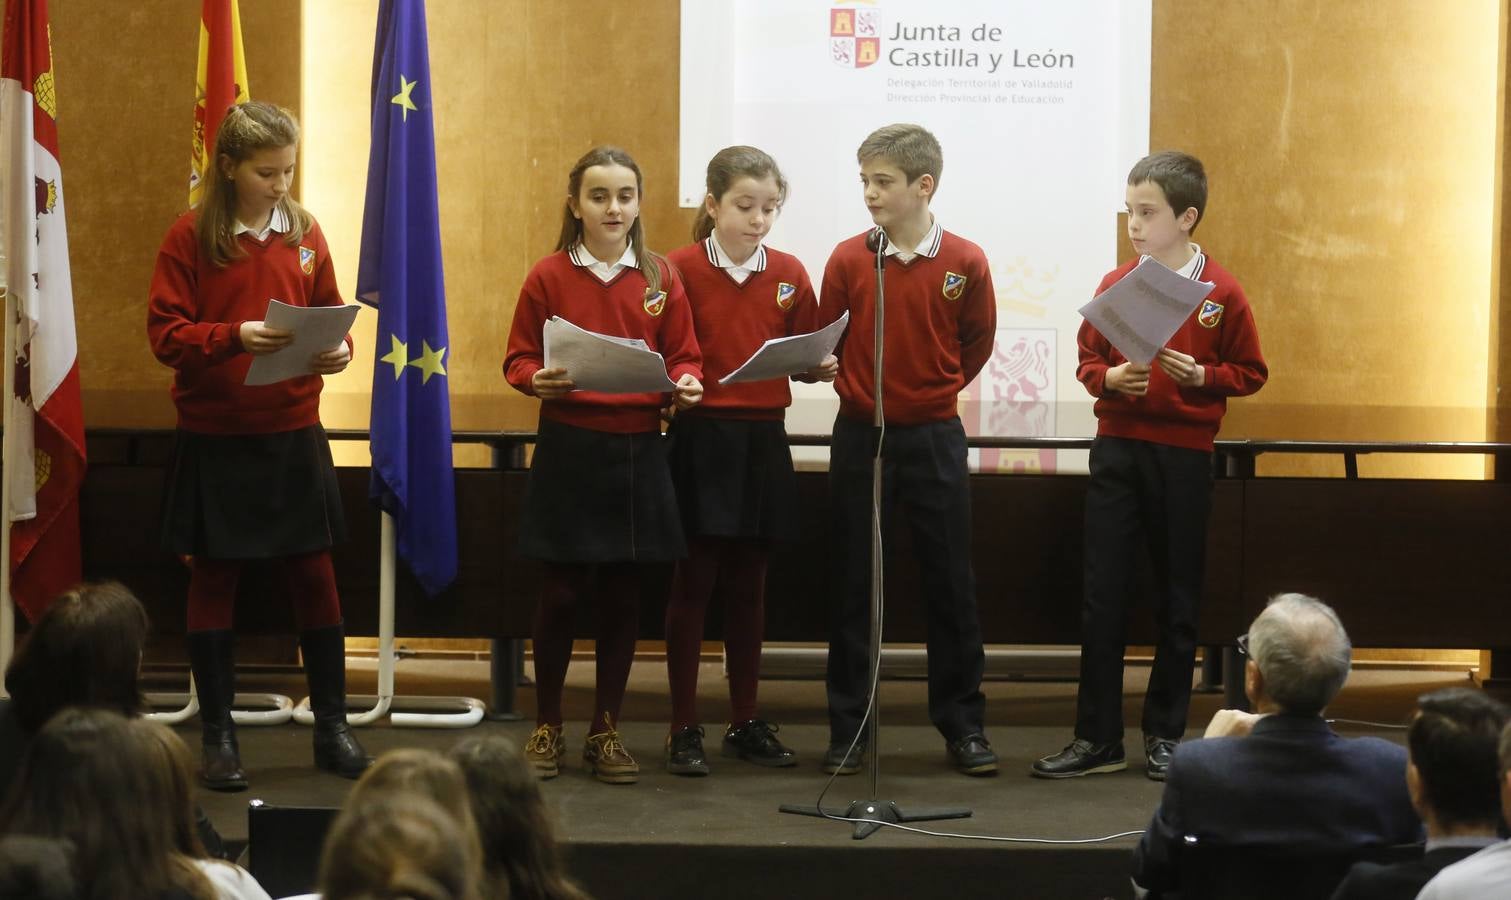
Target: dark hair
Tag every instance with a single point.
(1453, 741)
(519, 846)
(397, 845)
(35, 868)
(1180, 176)
(97, 779)
(729, 165)
(571, 226)
(911, 148)
(85, 650)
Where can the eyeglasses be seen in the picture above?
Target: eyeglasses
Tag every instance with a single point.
(1243, 643)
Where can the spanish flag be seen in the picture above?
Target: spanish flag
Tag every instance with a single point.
(220, 82)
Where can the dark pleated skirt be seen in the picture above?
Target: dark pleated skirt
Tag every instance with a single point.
(251, 496)
(734, 477)
(598, 497)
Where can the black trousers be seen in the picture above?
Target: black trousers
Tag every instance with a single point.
(924, 471)
(1152, 498)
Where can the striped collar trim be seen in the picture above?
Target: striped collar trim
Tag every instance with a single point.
(719, 258)
(580, 257)
(929, 246)
(1193, 267)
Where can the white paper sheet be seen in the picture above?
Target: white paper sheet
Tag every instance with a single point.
(316, 330)
(784, 356)
(1145, 308)
(601, 362)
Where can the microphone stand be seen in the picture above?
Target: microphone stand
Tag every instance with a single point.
(869, 815)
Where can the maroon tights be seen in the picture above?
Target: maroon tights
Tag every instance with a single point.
(311, 585)
(736, 568)
(616, 589)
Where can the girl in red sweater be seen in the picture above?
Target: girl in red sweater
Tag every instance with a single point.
(251, 476)
(730, 459)
(600, 505)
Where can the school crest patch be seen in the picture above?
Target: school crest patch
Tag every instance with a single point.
(655, 303)
(785, 294)
(1210, 315)
(954, 286)
(307, 260)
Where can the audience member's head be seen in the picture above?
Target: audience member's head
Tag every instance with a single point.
(171, 781)
(1299, 656)
(37, 868)
(85, 650)
(1455, 772)
(94, 778)
(416, 771)
(398, 845)
(1505, 769)
(519, 846)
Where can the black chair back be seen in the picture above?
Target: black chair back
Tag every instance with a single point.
(1211, 871)
(284, 843)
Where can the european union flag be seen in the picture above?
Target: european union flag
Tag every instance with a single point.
(400, 274)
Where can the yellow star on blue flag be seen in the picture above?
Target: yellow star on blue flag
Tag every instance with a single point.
(429, 362)
(399, 272)
(403, 99)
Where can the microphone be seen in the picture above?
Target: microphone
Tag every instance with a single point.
(876, 241)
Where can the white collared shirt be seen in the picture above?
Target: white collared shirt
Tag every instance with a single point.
(1194, 265)
(928, 246)
(738, 271)
(276, 222)
(604, 270)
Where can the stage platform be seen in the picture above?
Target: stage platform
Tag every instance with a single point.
(722, 836)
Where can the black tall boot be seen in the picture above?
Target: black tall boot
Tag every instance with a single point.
(336, 748)
(214, 667)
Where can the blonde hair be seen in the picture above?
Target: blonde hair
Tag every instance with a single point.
(403, 845)
(571, 226)
(911, 148)
(248, 129)
(724, 169)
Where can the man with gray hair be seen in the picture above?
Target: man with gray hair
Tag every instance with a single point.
(1279, 777)
(1486, 874)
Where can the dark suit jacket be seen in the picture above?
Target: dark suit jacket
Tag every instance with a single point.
(1291, 783)
(1402, 881)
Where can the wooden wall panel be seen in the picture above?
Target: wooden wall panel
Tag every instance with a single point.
(1352, 148)
(125, 77)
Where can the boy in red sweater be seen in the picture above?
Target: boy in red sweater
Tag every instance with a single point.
(941, 319)
(1151, 474)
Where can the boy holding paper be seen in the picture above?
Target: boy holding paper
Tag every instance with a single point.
(1151, 474)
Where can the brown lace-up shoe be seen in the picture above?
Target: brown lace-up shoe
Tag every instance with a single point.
(544, 750)
(608, 760)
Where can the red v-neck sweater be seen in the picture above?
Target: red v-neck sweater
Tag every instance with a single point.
(620, 308)
(939, 330)
(195, 311)
(733, 319)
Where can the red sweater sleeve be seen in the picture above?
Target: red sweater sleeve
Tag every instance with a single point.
(1095, 350)
(527, 351)
(1243, 370)
(179, 339)
(978, 321)
(833, 298)
(676, 339)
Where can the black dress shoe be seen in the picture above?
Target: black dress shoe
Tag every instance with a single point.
(972, 755)
(1157, 755)
(755, 741)
(684, 752)
(221, 769)
(1082, 758)
(836, 762)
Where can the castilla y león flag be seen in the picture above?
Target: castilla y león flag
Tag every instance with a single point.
(220, 82)
(44, 435)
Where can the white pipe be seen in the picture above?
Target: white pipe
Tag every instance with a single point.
(7, 608)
